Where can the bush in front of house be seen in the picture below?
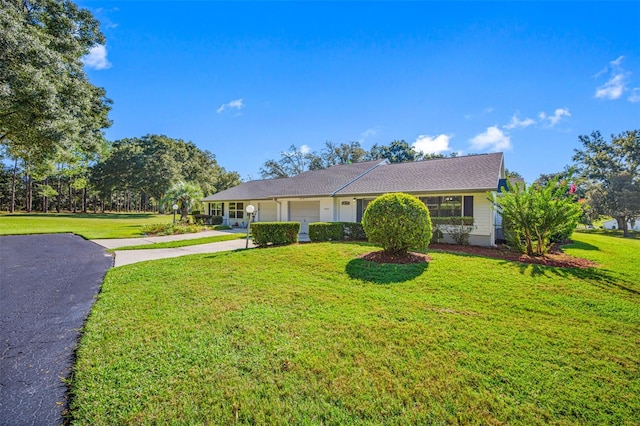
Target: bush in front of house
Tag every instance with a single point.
(353, 231)
(265, 233)
(398, 222)
(335, 231)
(458, 227)
(325, 231)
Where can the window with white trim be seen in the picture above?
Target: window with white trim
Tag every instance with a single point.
(216, 209)
(236, 210)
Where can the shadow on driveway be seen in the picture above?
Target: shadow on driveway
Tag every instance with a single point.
(48, 284)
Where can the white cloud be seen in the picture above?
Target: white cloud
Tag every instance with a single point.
(613, 88)
(556, 117)
(617, 84)
(369, 133)
(305, 149)
(516, 122)
(236, 103)
(432, 144)
(97, 58)
(635, 95)
(493, 139)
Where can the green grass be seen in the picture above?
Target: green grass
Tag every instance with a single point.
(184, 243)
(309, 334)
(90, 226)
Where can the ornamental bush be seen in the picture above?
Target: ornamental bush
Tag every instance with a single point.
(325, 231)
(532, 215)
(398, 222)
(265, 233)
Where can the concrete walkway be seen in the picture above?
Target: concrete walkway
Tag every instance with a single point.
(126, 257)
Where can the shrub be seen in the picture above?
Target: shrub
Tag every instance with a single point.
(222, 227)
(170, 228)
(325, 231)
(156, 228)
(459, 227)
(532, 215)
(398, 222)
(353, 231)
(265, 233)
(335, 231)
(216, 220)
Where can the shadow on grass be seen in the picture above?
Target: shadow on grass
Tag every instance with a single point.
(579, 245)
(601, 278)
(633, 235)
(387, 273)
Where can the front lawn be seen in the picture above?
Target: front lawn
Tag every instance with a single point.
(183, 243)
(309, 334)
(90, 226)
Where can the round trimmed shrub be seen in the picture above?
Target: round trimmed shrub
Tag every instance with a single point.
(398, 222)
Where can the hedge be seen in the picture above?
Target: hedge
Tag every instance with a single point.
(265, 233)
(335, 231)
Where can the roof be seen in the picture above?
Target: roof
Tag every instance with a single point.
(468, 173)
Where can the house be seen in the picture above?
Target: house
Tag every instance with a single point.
(454, 186)
(632, 225)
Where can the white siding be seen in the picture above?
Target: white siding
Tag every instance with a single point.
(267, 211)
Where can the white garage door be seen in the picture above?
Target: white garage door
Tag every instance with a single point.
(268, 212)
(304, 212)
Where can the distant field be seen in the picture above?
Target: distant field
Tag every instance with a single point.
(90, 226)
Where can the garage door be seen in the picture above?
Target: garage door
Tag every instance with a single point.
(267, 212)
(304, 212)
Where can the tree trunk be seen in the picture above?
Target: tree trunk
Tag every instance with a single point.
(13, 186)
(622, 224)
(59, 201)
(29, 204)
(84, 199)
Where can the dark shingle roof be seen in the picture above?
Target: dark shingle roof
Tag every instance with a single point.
(474, 172)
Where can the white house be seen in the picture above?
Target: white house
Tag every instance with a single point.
(631, 225)
(456, 186)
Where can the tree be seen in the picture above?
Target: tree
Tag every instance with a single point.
(333, 154)
(397, 222)
(291, 163)
(612, 171)
(512, 174)
(532, 215)
(399, 151)
(185, 195)
(46, 100)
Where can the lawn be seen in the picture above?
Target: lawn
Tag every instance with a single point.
(309, 334)
(183, 243)
(90, 226)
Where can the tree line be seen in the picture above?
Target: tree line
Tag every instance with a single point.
(296, 160)
(132, 174)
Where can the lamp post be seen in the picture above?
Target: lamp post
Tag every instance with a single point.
(175, 209)
(250, 209)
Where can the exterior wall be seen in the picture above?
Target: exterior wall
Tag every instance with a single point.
(347, 212)
(332, 210)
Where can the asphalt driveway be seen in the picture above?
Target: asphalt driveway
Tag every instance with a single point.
(48, 284)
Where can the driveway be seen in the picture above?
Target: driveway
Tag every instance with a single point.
(48, 284)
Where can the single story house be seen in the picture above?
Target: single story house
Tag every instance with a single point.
(455, 186)
(632, 225)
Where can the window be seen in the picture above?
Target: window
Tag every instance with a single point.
(236, 210)
(449, 205)
(445, 206)
(216, 209)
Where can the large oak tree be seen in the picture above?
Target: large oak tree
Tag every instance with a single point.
(613, 172)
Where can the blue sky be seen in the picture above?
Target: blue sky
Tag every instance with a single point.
(246, 80)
